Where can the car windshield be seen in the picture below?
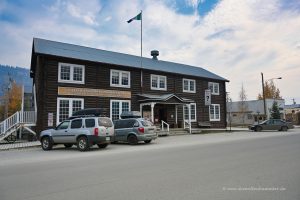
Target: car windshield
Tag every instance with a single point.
(146, 123)
(103, 121)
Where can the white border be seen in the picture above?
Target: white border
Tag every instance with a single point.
(120, 106)
(70, 106)
(190, 113)
(120, 79)
(210, 119)
(189, 84)
(71, 73)
(158, 80)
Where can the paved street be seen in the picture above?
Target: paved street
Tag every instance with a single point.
(245, 165)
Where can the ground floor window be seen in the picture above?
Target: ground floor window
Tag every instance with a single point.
(214, 112)
(67, 106)
(117, 107)
(193, 112)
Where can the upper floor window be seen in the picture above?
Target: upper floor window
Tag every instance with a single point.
(189, 85)
(214, 88)
(119, 78)
(70, 73)
(158, 82)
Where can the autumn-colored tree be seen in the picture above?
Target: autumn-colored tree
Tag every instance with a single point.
(12, 99)
(271, 91)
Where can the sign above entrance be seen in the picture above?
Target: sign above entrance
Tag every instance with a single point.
(93, 92)
(207, 97)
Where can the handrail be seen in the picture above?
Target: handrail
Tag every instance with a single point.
(189, 127)
(163, 127)
(16, 118)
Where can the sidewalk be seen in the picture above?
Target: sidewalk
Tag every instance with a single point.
(17, 145)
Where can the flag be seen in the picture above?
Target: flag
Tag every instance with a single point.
(138, 17)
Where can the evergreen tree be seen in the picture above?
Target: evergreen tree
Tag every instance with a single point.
(275, 114)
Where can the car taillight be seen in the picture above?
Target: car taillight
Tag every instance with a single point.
(96, 131)
(141, 129)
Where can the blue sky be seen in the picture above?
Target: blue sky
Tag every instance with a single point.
(234, 39)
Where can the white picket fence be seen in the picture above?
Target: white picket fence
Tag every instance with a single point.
(20, 117)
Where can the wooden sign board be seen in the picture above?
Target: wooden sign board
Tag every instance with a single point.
(93, 92)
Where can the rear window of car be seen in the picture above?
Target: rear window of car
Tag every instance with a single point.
(146, 123)
(124, 123)
(106, 122)
(89, 123)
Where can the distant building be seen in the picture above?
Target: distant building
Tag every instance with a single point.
(292, 113)
(254, 111)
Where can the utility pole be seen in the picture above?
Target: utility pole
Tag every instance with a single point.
(263, 93)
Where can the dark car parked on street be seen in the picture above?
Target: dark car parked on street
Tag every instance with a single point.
(133, 130)
(272, 124)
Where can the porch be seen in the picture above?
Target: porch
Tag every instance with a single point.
(166, 110)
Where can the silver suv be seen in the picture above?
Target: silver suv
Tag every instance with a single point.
(134, 130)
(84, 132)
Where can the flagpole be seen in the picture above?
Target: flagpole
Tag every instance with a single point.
(142, 51)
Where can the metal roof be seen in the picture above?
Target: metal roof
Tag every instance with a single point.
(47, 47)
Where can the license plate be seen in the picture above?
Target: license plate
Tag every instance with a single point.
(107, 138)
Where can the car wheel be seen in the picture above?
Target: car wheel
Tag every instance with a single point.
(68, 145)
(82, 144)
(46, 143)
(258, 129)
(147, 141)
(102, 146)
(284, 128)
(132, 139)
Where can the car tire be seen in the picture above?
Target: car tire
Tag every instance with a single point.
(68, 145)
(132, 140)
(46, 143)
(147, 141)
(284, 128)
(258, 129)
(83, 144)
(102, 146)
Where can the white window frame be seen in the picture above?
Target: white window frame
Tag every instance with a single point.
(120, 78)
(120, 106)
(158, 82)
(71, 73)
(189, 85)
(70, 106)
(215, 85)
(192, 120)
(213, 118)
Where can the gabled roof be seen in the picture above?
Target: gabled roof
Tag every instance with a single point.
(47, 47)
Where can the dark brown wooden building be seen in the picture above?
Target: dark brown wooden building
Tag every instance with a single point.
(69, 77)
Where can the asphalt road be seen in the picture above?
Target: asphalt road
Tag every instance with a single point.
(214, 166)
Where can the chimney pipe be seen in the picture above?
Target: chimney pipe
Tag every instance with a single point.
(154, 54)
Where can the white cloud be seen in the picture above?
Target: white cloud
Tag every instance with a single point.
(237, 40)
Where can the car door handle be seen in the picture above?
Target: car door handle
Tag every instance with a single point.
(66, 131)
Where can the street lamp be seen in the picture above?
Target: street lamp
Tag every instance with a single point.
(263, 90)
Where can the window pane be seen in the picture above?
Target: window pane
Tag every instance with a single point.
(125, 106)
(77, 74)
(76, 105)
(212, 111)
(154, 82)
(193, 112)
(162, 82)
(115, 110)
(125, 78)
(186, 112)
(211, 87)
(105, 122)
(217, 107)
(76, 123)
(115, 78)
(185, 85)
(192, 86)
(63, 125)
(216, 88)
(65, 72)
(89, 123)
(63, 110)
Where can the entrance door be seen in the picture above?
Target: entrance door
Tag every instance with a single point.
(160, 113)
